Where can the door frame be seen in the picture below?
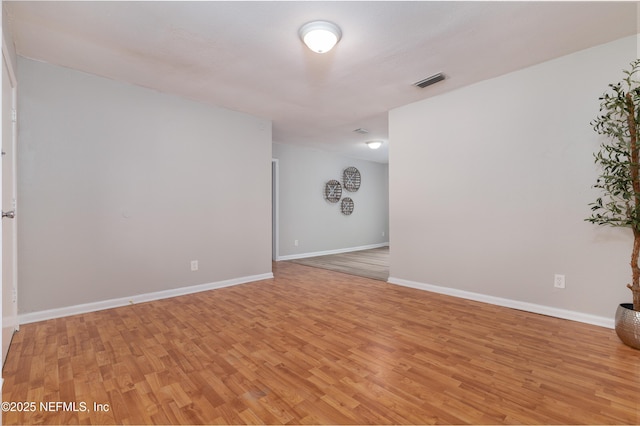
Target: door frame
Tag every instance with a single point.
(275, 206)
(12, 316)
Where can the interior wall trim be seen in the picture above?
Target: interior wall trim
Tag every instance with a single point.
(328, 252)
(508, 303)
(141, 298)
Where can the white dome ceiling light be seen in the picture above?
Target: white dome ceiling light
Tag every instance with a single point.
(320, 36)
(374, 144)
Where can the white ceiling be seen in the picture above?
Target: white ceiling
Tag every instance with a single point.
(247, 56)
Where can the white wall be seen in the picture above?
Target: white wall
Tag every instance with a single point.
(8, 37)
(490, 185)
(121, 187)
(318, 225)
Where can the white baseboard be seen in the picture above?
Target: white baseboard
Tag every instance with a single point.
(508, 303)
(141, 298)
(328, 252)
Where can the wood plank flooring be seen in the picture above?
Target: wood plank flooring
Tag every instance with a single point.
(373, 263)
(318, 347)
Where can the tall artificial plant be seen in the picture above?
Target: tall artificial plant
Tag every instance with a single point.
(619, 159)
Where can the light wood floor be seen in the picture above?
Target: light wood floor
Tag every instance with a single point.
(373, 263)
(318, 347)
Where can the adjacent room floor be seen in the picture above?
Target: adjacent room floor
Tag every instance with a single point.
(373, 263)
(314, 346)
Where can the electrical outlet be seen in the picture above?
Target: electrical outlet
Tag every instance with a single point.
(295, 243)
(558, 281)
(194, 265)
(383, 233)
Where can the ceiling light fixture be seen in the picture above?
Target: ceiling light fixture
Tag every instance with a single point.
(374, 144)
(320, 36)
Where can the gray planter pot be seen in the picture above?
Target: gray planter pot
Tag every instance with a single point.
(628, 325)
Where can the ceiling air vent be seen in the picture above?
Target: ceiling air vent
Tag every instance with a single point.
(429, 80)
(361, 131)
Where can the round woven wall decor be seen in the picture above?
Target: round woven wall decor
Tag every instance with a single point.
(351, 179)
(347, 206)
(332, 191)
